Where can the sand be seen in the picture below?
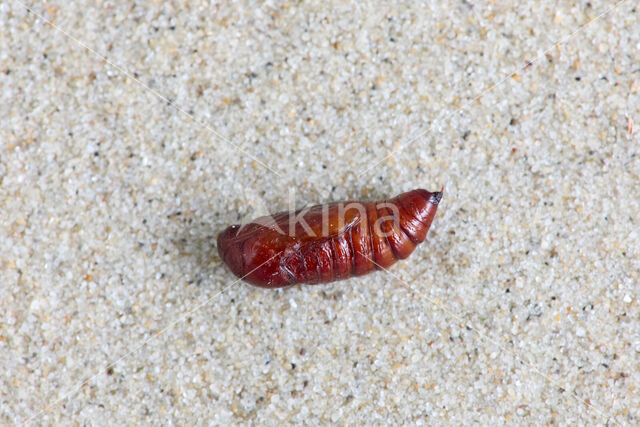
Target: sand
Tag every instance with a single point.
(131, 133)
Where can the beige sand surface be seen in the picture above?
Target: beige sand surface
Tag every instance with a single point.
(132, 132)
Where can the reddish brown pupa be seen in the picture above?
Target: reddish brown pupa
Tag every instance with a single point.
(328, 242)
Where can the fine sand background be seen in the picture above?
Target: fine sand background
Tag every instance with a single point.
(131, 133)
